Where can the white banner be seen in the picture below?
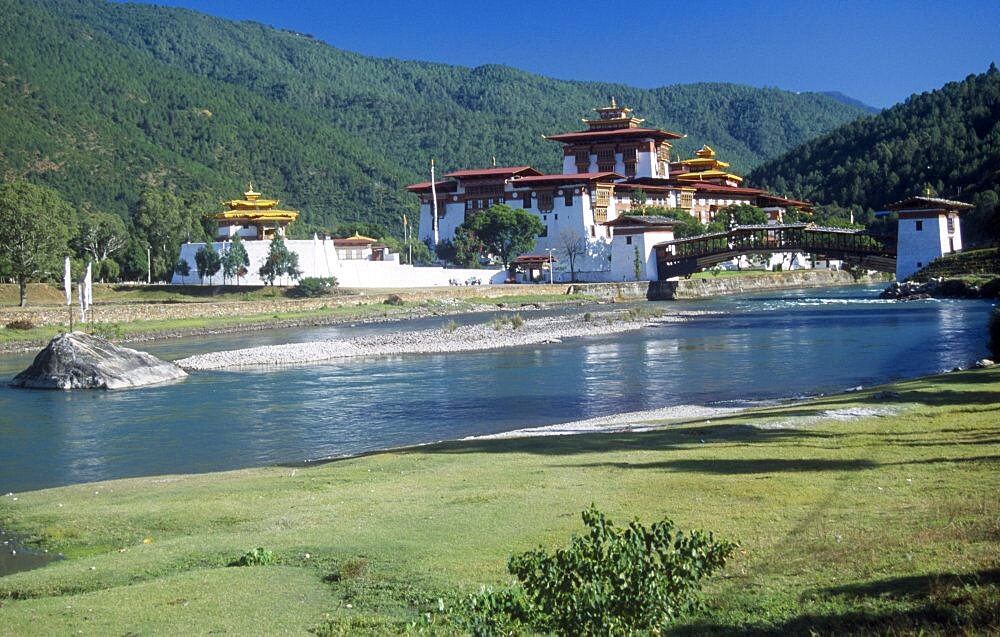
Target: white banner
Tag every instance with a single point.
(68, 283)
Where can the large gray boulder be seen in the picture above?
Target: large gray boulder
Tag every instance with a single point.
(82, 361)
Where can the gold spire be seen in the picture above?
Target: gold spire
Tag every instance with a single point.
(250, 194)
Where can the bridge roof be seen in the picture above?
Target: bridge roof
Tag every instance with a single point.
(649, 221)
(769, 226)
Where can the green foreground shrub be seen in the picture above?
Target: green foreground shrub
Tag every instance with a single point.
(256, 557)
(312, 287)
(612, 581)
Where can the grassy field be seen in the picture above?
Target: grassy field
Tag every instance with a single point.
(881, 523)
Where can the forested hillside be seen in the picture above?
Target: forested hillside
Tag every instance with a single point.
(103, 100)
(948, 139)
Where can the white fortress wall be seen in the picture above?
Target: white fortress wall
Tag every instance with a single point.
(317, 258)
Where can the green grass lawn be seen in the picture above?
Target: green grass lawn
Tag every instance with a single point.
(884, 523)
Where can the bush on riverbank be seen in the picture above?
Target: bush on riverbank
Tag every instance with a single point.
(611, 581)
(313, 287)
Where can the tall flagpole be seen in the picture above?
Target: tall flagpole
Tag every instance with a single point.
(434, 202)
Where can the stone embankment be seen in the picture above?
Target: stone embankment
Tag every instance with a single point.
(502, 332)
(697, 288)
(941, 289)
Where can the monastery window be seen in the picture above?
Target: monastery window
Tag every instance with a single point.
(545, 200)
(687, 200)
(527, 200)
(628, 240)
(606, 160)
(593, 231)
(487, 190)
(629, 154)
(603, 197)
(630, 169)
(663, 153)
(582, 159)
(920, 226)
(569, 198)
(951, 224)
(545, 231)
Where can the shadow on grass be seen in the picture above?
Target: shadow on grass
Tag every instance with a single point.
(741, 467)
(776, 465)
(936, 603)
(661, 440)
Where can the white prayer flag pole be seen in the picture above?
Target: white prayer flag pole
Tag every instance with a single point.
(68, 288)
(434, 203)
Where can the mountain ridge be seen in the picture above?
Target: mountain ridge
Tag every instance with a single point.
(175, 99)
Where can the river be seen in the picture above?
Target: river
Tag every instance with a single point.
(754, 347)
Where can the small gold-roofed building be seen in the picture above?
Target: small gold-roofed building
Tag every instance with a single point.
(252, 218)
(704, 167)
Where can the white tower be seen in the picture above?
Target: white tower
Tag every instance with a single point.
(928, 228)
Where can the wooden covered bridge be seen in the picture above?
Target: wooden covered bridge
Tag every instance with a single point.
(682, 257)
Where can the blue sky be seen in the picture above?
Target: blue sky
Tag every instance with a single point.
(877, 52)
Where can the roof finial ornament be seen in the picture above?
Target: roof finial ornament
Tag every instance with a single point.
(494, 161)
(613, 105)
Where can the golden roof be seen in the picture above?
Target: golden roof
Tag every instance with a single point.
(705, 157)
(257, 215)
(253, 207)
(703, 175)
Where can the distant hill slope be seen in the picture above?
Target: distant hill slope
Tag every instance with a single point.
(847, 99)
(948, 139)
(101, 99)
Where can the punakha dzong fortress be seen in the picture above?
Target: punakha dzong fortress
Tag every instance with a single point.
(609, 170)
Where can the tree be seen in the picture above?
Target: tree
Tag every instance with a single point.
(637, 200)
(467, 248)
(101, 234)
(208, 261)
(573, 245)
(504, 231)
(183, 268)
(279, 261)
(690, 226)
(34, 229)
(236, 260)
(741, 214)
(155, 220)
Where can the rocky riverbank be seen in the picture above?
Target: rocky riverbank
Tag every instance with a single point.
(508, 331)
(941, 289)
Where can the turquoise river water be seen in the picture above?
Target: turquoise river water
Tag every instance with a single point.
(756, 347)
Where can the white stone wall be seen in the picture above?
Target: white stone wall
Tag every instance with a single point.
(916, 248)
(623, 255)
(318, 259)
(450, 216)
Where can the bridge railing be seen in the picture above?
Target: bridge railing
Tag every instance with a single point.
(778, 238)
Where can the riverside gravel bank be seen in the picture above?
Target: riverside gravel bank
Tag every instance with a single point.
(501, 332)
